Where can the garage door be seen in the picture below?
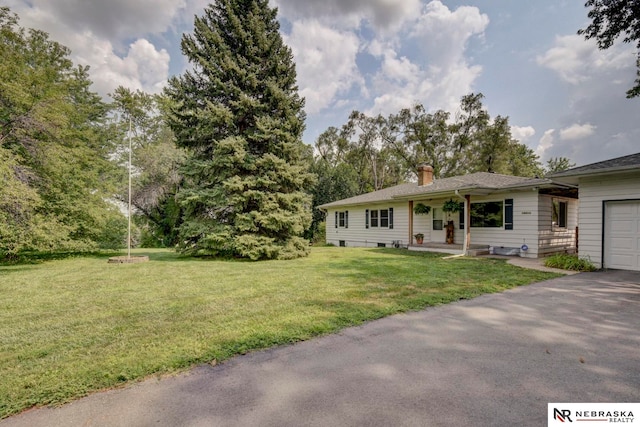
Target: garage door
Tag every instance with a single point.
(622, 235)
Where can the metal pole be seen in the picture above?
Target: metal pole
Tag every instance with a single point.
(129, 215)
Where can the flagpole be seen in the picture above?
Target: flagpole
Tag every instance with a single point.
(129, 215)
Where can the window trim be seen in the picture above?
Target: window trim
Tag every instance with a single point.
(384, 218)
(433, 219)
(342, 219)
(374, 218)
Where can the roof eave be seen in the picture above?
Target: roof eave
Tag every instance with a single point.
(595, 172)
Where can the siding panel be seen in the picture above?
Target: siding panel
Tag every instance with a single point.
(593, 192)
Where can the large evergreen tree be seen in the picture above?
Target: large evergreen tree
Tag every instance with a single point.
(239, 114)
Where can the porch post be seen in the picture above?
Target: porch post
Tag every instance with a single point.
(410, 222)
(467, 222)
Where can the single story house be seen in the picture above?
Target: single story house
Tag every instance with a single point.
(609, 220)
(532, 217)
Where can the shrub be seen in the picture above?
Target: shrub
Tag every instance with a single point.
(421, 209)
(569, 262)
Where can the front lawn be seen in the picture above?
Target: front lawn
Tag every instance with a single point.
(69, 327)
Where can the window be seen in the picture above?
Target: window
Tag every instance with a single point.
(438, 219)
(382, 218)
(559, 213)
(487, 214)
(342, 219)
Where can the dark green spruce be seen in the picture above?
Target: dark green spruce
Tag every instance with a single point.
(239, 115)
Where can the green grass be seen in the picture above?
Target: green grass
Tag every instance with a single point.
(72, 326)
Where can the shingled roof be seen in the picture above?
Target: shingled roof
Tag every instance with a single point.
(630, 162)
(475, 181)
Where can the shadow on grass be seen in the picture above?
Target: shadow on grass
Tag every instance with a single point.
(407, 253)
(158, 255)
(33, 258)
(170, 255)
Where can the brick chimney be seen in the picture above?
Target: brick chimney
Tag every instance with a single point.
(425, 174)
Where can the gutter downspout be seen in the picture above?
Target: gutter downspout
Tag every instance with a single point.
(466, 223)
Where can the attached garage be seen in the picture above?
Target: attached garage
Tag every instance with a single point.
(622, 235)
(609, 211)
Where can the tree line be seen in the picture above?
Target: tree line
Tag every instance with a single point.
(220, 168)
(369, 152)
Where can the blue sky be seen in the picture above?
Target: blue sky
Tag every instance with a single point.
(564, 97)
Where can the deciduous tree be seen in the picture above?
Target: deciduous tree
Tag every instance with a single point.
(54, 149)
(611, 19)
(156, 164)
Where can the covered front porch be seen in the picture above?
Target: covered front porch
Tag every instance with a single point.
(449, 248)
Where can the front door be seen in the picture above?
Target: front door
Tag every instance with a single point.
(438, 232)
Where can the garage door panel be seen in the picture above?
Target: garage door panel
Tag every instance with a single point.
(618, 244)
(622, 260)
(622, 226)
(622, 209)
(622, 235)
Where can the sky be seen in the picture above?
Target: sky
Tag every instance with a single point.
(563, 96)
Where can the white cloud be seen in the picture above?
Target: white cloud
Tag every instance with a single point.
(440, 74)
(545, 143)
(109, 19)
(382, 14)
(143, 67)
(577, 60)
(577, 131)
(325, 61)
(138, 65)
(444, 34)
(522, 134)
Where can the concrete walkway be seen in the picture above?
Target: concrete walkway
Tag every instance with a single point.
(533, 263)
(496, 360)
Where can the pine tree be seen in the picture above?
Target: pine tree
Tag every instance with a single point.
(239, 114)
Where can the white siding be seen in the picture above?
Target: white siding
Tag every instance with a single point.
(531, 225)
(358, 235)
(594, 191)
(553, 239)
(424, 223)
(525, 224)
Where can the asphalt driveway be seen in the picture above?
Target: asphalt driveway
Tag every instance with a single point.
(496, 360)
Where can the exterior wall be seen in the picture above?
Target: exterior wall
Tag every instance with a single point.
(552, 239)
(593, 192)
(424, 223)
(532, 225)
(525, 224)
(360, 236)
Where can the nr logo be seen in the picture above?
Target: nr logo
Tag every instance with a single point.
(562, 415)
